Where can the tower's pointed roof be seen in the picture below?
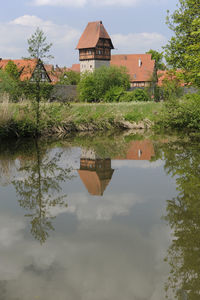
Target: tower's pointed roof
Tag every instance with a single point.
(91, 35)
(94, 182)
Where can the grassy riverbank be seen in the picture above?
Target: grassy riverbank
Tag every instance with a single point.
(18, 119)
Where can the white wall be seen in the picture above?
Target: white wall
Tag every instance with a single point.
(91, 65)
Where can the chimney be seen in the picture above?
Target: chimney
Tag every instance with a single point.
(139, 62)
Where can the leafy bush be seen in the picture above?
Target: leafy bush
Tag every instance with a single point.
(134, 116)
(140, 95)
(114, 94)
(181, 114)
(93, 86)
(69, 78)
(127, 97)
(28, 89)
(171, 85)
(10, 85)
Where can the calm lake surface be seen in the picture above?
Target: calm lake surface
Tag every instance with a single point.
(105, 217)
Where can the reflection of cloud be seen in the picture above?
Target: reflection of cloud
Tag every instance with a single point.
(97, 262)
(10, 231)
(95, 208)
(136, 164)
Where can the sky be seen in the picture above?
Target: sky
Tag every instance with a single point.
(135, 26)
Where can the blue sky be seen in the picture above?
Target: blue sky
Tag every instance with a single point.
(135, 26)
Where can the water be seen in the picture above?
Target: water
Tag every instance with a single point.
(105, 217)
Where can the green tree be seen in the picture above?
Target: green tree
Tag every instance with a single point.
(12, 70)
(10, 85)
(158, 57)
(69, 78)
(38, 49)
(93, 86)
(183, 51)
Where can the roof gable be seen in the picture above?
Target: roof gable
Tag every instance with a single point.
(91, 35)
(26, 67)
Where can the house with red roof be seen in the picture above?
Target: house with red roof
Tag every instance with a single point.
(28, 69)
(94, 47)
(140, 67)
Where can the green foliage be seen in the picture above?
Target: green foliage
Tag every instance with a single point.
(12, 70)
(133, 116)
(38, 47)
(93, 86)
(19, 119)
(114, 94)
(127, 97)
(182, 51)
(29, 88)
(181, 114)
(140, 95)
(40, 190)
(182, 160)
(171, 85)
(158, 57)
(69, 78)
(10, 85)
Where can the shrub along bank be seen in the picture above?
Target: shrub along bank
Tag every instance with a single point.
(181, 113)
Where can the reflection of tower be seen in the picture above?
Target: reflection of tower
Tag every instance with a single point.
(95, 172)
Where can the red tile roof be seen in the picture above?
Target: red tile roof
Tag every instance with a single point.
(26, 67)
(140, 66)
(75, 68)
(139, 150)
(93, 183)
(55, 72)
(91, 35)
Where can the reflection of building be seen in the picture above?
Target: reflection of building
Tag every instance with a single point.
(95, 172)
(139, 150)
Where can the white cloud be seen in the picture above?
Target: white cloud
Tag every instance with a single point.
(81, 3)
(14, 37)
(76, 3)
(138, 42)
(15, 33)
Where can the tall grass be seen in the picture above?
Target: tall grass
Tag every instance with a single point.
(19, 118)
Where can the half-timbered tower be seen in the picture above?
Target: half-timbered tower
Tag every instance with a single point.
(94, 47)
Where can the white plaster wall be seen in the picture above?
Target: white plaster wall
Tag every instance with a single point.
(91, 65)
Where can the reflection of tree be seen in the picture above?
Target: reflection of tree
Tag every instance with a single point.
(183, 215)
(39, 189)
